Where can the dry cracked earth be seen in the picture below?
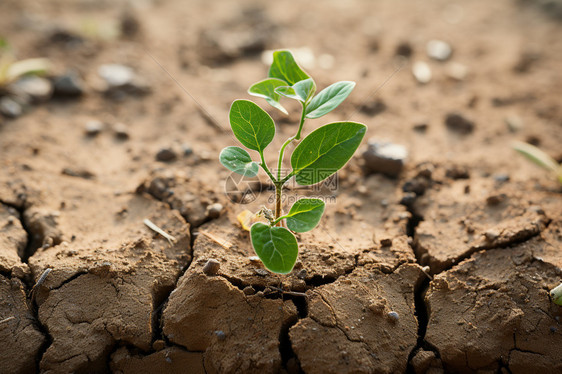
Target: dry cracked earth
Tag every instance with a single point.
(445, 267)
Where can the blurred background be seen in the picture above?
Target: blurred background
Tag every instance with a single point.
(450, 81)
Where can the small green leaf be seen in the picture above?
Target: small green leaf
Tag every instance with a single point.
(328, 99)
(536, 155)
(251, 125)
(285, 68)
(266, 89)
(305, 214)
(301, 91)
(239, 161)
(276, 246)
(325, 150)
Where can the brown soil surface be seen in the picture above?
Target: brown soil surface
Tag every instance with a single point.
(445, 268)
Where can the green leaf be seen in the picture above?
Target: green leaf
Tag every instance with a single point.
(328, 99)
(239, 161)
(285, 68)
(305, 214)
(325, 151)
(266, 89)
(251, 125)
(536, 155)
(32, 66)
(301, 91)
(276, 246)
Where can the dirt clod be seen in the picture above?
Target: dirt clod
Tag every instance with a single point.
(211, 267)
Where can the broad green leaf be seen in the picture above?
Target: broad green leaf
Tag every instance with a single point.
(325, 150)
(285, 68)
(301, 91)
(276, 246)
(251, 125)
(328, 99)
(305, 214)
(266, 89)
(239, 161)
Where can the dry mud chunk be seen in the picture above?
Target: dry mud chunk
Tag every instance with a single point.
(238, 333)
(105, 288)
(456, 223)
(13, 239)
(169, 360)
(494, 309)
(349, 326)
(20, 339)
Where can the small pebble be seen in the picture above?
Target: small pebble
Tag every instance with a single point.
(93, 127)
(491, 235)
(166, 155)
(116, 75)
(408, 199)
(553, 329)
(386, 158)
(373, 108)
(69, 84)
(386, 242)
(33, 88)
(393, 316)
(495, 199)
(249, 290)
(211, 267)
(421, 127)
(220, 334)
(421, 71)
(214, 210)
(501, 178)
(439, 50)
(121, 131)
(458, 123)
(261, 272)
(10, 108)
(186, 149)
(404, 49)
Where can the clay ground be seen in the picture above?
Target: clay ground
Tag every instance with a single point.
(446, 268)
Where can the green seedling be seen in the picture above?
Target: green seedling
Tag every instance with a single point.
(540, 158)
(318, 156)
(11, 69)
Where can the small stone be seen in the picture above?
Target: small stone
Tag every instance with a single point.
(159, 345)
(249, 290)
(491, 235)
(93, 127)
(10, 108)
(69, 85)
(458, 123)
(514, 123)
(457, 172)
(553, 329)
(422, 361)
(421, 127)
(166, 155)
(408, 199)
(302, 274)
(116, 75)
(373, 108)
(386, 242)
(121, 131)
(254, 259)
(404, 49)
(386, 158)
(33, 88)
(421, 71)
(501, 178)
(261, 272)
(439, 50)
(393, 316)
(495, 199)
(211, 267)
(186, 149)
(214, 210)
(220, 334)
